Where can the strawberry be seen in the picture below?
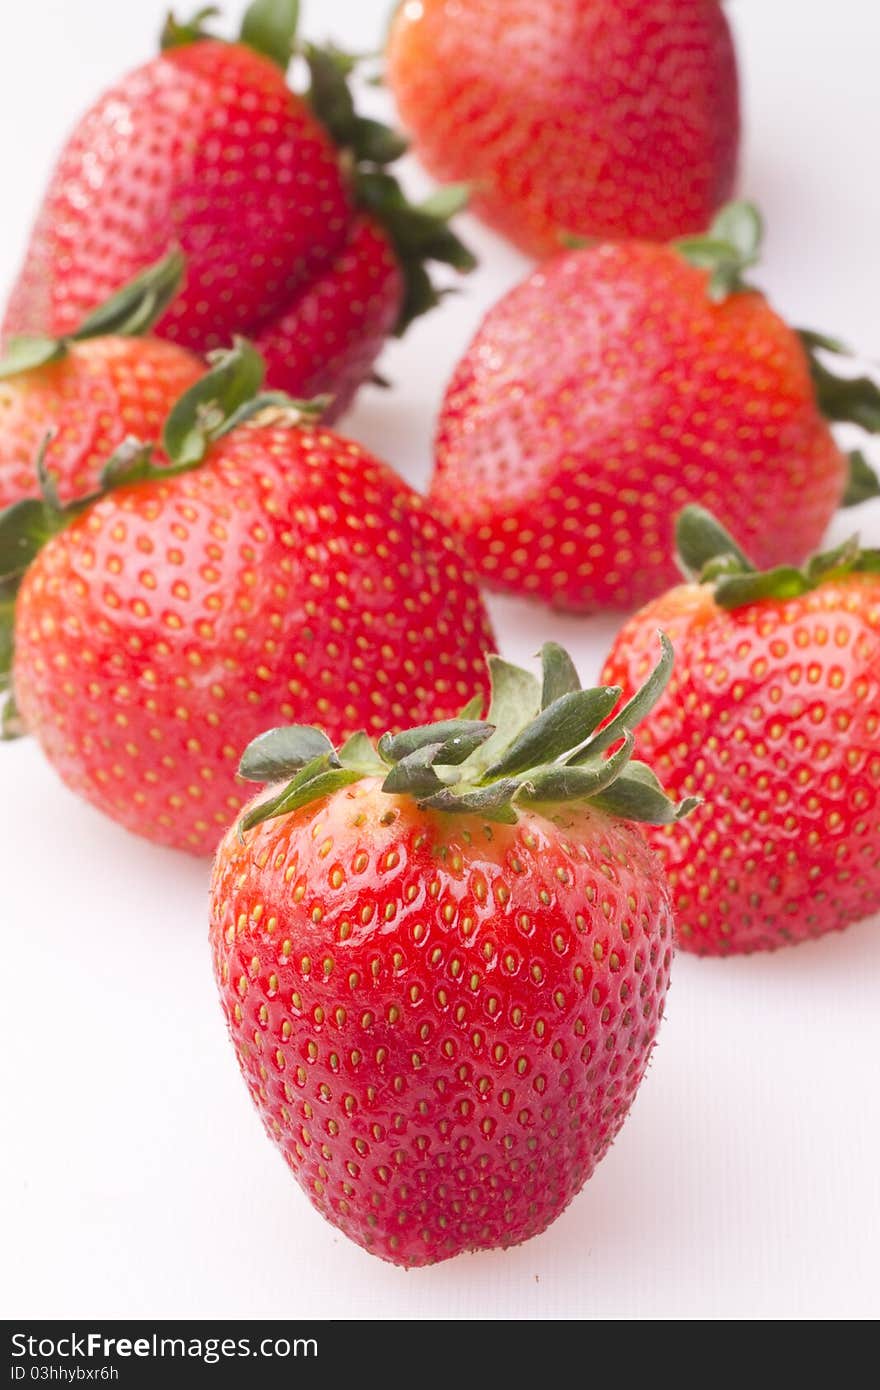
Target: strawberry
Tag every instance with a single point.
(620, 382)
(274, 571)
(772, 717)
(443, 960)
(294, 231)
(604, 118)
(77, 397)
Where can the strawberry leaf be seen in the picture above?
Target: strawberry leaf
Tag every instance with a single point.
(25, 353)
(7, 629)
(24, 529)
(568, 722)
(459, 746)
(740, 224)
(568, 782)
(177, 34)
(414, 774)
(359, 755)
(560, 675)
(377, 143)
(129, 312)
(842, 560)
(636, 709)
(516, 699)
(849, 400)
(329, 94)
(473, 709)
(638, 796)
(279, 753)
(457, 738)
(863, 482)
(11, 726)
(446, 201)
(130, 462)
(736, 590)
(419, 234)
(701, 541)
(731, 246)
(285, 407)
(317, 779)
(133, 310)
(269, 27)
(708, 554)
(234, 378)
(490, 803)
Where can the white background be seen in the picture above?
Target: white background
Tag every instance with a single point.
(136, 1180)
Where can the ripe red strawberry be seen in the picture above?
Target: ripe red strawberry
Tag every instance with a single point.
(291, 576)
(614, 386)
(772, 717)
(443, 962)
(294, 232)
(86, 392)
(607, 118)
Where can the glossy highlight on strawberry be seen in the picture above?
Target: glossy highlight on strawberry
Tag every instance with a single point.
(771, 717)
(443, 959)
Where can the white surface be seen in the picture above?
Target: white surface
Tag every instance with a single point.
(136, 1178)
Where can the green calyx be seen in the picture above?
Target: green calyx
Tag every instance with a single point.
(543, 743)
(25, 527)
(419, 233)
(845, 400)
(269, 27)
(177, 33)
(707, 554)
(129, 313)
(731, 246)
(226, 397)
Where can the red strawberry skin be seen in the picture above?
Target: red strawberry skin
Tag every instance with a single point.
(292, 578)
(442, 1023)
(604, 118)
(603, 394)
(331, 333)
(772, 716)
(206, 147)
(102, 390)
